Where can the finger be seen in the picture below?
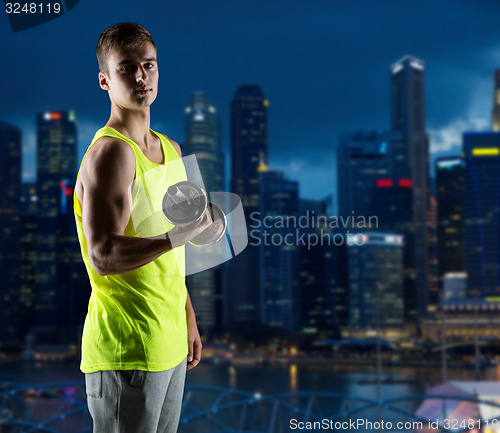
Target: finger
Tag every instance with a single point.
(190, 352)
(197, 351)
(206, 223)
(208, 216)
(191, 365)
(206, 219)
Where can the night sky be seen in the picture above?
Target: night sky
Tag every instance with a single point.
(323, 66)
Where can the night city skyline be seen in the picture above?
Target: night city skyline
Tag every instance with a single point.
(361, 140)
(324, 68)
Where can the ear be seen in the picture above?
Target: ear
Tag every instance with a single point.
(103, 81)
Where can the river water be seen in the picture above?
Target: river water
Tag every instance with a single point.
(206, 397)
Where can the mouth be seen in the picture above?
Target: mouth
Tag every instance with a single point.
(143, 91)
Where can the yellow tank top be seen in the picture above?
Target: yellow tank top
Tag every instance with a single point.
(137, 320)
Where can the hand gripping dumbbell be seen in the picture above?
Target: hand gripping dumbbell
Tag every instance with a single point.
(185, 203)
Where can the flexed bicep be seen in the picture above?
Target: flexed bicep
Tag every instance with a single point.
(107, 175)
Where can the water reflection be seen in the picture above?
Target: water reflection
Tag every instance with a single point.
(232, 377)
(293, 378)
(261, 381)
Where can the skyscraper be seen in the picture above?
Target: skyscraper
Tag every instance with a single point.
(57, 246)
(391, 203)
(10, 232)
(370, 189)
(28, 256)
(432, 247)
(279, 258)
(336, 286)
(450, 196)
(410, 156)
(362, 159)
(495, 112)
(248, 143)
(481, 209)
(323, 276)
(375, 263)
(248, 153)
(203, 139)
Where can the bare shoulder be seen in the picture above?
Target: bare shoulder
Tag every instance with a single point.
(175, 144)
(109, 158)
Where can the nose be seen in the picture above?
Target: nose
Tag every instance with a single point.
(141, 74)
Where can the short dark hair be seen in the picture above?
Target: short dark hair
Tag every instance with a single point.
(121, 36)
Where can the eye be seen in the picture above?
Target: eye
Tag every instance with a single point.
(149, 65)
(128, 68)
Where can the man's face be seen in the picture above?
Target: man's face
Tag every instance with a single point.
(132, 76)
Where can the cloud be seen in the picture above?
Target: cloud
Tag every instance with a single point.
(28, 153)
(449, 137)
(29, 143)
(296, 166)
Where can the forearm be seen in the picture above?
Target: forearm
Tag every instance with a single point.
(189, 309)
(121, 254)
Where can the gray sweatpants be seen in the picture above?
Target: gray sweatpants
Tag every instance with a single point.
(136, 401)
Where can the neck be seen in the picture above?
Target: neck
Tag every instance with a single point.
(133, 124)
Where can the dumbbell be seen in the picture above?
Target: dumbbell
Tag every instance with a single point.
(185, 203)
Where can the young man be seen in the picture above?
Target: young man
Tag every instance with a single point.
(140, 324)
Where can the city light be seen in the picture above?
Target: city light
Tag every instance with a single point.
(397, 68)
(52, 116)
(384, 183)
(417, 65)
(449, 163)
(485, 151)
